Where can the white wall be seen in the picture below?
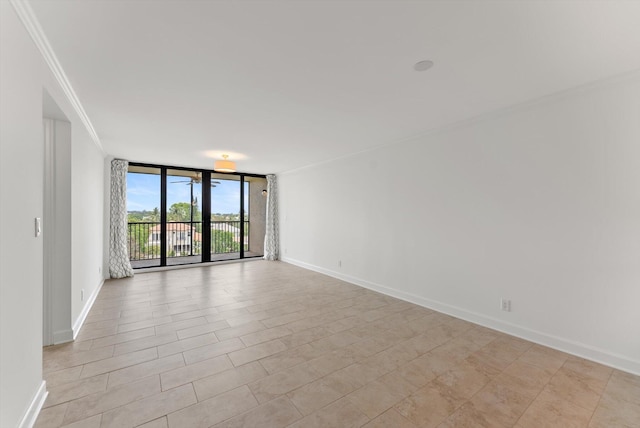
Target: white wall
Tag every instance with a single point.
(23, 76)
(539, 204)
(87, 226)
(57, 221)
(21, 160)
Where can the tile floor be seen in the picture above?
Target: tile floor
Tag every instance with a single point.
(267, 344)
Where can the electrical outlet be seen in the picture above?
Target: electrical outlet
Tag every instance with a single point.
(82, 295)
(99, 269)
(505, 305)
(339, 263)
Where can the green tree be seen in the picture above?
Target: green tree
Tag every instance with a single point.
(155, 215)
(154, 251)
(181, 211)
(223, 242)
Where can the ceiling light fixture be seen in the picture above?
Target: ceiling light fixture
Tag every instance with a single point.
(224, 165)
(423, 65)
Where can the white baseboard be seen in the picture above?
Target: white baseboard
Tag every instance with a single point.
(561, 344)
(62, 336)
(77, 325)
(30, 416)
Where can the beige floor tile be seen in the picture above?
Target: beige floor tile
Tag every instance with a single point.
(290, 358)
(211, 386)
(276, 413)
(588, 368)
(480, 335)
(265, 335)
(241, 330)
(149, 408)
(283, 319)
(358, 374)
(339, 414)
(576, 388)
(66, 349)
(335, 341)
(429, 406)
(455, 350)
(380, 395)
(152, 322)
(179, 325)
(114, 363)
(212, 350)
(503, 350)
(549, 410)
(214, 410)
(332, 361)
(620, 377)
(463, 379)
(74, 390)
(145, 343)
(254, 340)
(194, 314)
(59, 362)
(135, 318)
(187, 344)
(61, 377)
(543, 357)
(202, 329)
(122, 337)
(469, 417)
(382, 363)
(92, 422)
(487, 362)
(246, 318)
(51, 417)
(524, 378)
(156, 423)
(282, 382)
(319, 393)
(142, 370)
(101, 402)
(96, 331)
(498, 405)
(189, 373)
(623, 387)
(304, 337)
(612, 412)
(390, 418)
(253, 353)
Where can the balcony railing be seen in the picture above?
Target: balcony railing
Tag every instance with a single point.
(184, 239)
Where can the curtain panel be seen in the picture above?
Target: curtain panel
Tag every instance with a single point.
(119, 264)
(271, 239)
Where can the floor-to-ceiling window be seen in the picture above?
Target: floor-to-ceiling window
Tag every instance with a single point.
(182, 216)
(183, 228)
(144, 203)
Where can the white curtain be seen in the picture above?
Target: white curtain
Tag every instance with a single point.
(271, 239)
(119, 264)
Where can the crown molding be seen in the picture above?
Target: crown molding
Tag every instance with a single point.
(31, 24)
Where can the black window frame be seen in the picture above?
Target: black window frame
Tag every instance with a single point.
(206, 212)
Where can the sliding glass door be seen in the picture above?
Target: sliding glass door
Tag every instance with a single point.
(144, 226)
(183, 228)
(182, 216)
(226, 236)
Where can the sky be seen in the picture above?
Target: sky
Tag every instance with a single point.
(143, 193)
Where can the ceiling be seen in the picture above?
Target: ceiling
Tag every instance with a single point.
(280, 84)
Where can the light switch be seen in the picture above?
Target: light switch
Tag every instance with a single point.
(38, 226)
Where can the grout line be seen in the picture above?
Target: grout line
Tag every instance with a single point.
(600, 398)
